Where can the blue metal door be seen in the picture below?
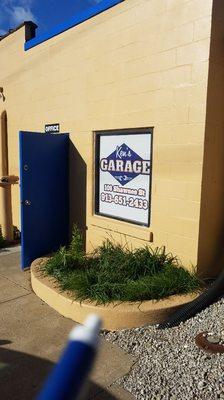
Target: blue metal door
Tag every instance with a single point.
(44, 193)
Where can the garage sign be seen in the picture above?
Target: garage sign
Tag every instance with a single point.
(123, 175)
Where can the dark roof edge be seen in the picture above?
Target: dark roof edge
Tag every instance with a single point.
(30, 30)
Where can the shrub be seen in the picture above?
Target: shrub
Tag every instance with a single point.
(114, 272)
(2, 240)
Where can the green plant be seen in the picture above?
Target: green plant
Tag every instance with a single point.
(2, 240)
(116, 272)
(76, 248)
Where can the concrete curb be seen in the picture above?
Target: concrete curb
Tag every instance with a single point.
(115, 315)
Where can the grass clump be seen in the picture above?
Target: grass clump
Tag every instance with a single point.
(2, 240)
(114, 272)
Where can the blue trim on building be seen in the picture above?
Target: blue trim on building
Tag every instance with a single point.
(76, 20)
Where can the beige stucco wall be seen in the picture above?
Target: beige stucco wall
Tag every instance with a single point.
(143, 63)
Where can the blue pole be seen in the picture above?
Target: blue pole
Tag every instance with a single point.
(69, 375)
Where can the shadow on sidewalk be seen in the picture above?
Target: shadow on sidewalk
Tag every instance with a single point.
(21, 376)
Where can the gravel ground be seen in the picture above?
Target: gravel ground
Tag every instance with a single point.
(169, 364)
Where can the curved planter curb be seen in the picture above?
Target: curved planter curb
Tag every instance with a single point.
(115, 315)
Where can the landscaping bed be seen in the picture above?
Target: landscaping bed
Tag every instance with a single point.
(114, 272)
(126, 288)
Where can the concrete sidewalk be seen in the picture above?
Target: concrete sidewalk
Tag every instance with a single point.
(32, 336)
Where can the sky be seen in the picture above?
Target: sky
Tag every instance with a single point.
(45, 13)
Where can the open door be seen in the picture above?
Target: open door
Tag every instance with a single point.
(44, 194)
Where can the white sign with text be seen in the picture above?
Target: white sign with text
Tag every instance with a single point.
(124, 162)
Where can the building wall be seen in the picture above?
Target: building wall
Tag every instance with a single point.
(143, 63)
(210, 246)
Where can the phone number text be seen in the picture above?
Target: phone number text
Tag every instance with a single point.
(124, 201)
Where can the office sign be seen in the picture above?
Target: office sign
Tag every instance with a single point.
(52, 128)
(123, 175)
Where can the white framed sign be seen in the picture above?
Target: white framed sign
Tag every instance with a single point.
(123, 175)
